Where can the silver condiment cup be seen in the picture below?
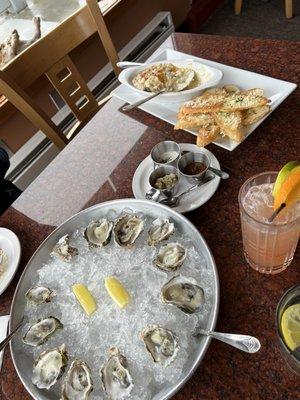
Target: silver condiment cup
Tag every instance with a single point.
(161, 172)
(159, 153)
(189, 158)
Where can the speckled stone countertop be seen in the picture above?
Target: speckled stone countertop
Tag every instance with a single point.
(99, 164)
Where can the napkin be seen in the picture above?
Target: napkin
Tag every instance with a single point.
(3, 333)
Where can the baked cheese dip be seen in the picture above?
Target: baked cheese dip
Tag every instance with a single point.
(164, 78)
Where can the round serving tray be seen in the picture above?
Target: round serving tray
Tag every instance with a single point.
(22, 361)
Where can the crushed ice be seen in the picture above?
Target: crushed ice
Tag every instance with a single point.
(88, 338)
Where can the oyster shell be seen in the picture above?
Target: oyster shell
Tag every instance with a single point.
(49, 367)
(78, 383)
(127, 229)
(38, 333)
(63, 250)
(98, 233)
(170, 257)
(39, 295)
(161, 229)
(184, 293)
(161, 343)
(116, 379)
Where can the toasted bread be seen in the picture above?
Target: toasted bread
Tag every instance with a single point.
(230, 123)
(231, 88)
(242, 101)
(214, 91)
(204, 104)
(187, 121)
(207, 134)
(254, 114)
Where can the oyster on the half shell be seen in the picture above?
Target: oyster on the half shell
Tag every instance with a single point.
(39, 295)
(161, 343)
(184, 293)
(127, 229)
(170, 257)
(98, 233)
(49, 367)
(116, 379)
(160, 229)
(38, 333)
(63, 250)
(78, 382)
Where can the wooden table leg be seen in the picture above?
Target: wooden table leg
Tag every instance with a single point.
(238, 6)
(289, 8)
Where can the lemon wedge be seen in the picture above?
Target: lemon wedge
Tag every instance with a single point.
(117, 291)
(85, 298)
(290, 326)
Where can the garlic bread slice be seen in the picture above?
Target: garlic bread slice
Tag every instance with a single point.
(207, 134)
(230, 123)
(254, 114)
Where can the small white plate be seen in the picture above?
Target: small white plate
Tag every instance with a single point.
(9, 242)
(275, 89)
(193, 200)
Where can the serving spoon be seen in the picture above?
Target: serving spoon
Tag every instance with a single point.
(246, 343)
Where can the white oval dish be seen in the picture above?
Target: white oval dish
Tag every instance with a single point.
(9, 242)
(213, 77)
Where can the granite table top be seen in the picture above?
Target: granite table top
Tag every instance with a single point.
(98, 165)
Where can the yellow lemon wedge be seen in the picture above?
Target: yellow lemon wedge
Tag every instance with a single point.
(289, 191)
(290, 326)
(283, 174)
(117, 291)
(85, 298)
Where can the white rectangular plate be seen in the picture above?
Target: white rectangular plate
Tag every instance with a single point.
(275, 89)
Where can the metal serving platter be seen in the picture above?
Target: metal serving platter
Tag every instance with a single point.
(22, 361)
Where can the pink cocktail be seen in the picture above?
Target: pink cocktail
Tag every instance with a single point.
(268, 247)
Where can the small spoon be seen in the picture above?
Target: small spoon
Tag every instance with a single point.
(11, 335)
(173, 201)
(249, 344)
(218, 172)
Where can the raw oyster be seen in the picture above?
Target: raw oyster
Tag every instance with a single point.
(170, 257)
(161, 343)
(184, 293)
(39, 295)
(161, 229)
(127, 228)
(116, 379)
(63, 250)
(98, 233)
(78, 382)
(49, 367)
(38, 333)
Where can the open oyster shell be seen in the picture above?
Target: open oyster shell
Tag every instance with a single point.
(170, 257)
(98, 233)
(116, 379)
(184, 293)
(63, 250)
(38, 333)
(49, 367)
(127, 229)
(160, 229)
(39, 295)
(78, 382)
(161, 343)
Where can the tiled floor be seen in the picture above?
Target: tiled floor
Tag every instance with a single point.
(264, 19)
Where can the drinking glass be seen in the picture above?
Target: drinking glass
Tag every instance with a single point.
(268, 247)
(292, 358)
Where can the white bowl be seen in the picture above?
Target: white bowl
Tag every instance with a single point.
(211, 77)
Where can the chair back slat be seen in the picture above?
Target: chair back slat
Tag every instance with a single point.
(70, 85)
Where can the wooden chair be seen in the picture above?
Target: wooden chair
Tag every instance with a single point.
(68, 82)
(288, 7)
